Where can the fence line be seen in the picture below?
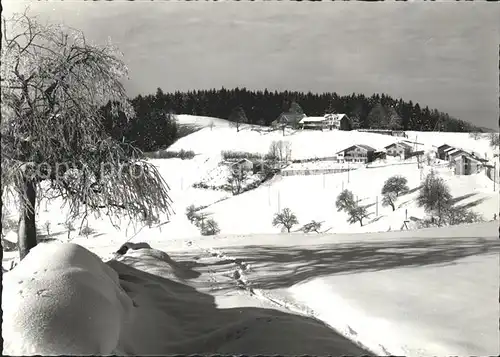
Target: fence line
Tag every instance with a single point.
(305, 172)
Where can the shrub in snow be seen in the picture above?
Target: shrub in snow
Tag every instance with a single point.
(182, 154)
(453, 215)
(312, 227)
(345, 201)
(395, 184)
(86, 231)
(191, 213)
(61, 299)
(475, 135)
(209, 227)
(285, 218)
(228, 155)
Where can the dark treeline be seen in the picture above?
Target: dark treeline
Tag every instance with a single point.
(154, 127)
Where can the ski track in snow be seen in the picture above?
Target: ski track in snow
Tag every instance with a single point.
(242, 282)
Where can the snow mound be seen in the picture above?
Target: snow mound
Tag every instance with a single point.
(62, 299)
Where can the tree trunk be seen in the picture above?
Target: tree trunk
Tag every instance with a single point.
(393, 207)
(26, 236)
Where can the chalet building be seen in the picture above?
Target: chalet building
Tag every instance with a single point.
(315, 123)
(242, 165)
(287, 119)
(453, 154)
(441, 151)
(465, 164)
(339, 121)
(357, 153)
(400, 149)
(326, 122)
(379, 155)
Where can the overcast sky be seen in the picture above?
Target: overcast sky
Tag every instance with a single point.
(444, 55)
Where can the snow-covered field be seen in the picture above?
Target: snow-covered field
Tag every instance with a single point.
(252, 290)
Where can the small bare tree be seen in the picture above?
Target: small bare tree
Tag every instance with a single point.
(285, 218)
(357, 214)
(69, 227)
(389, 199)
(46, 225)
(53, 86)
(237, 118)
(237, 176)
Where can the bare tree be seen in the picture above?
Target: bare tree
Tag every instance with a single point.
(53, 84)
(236, 178)
(345, 201)
(237, 118)
(395, 184)
(279, 151)
(357, 214)
(285, 218)
(494, 140)
(434, 196)
(389, 199)
(313, 226)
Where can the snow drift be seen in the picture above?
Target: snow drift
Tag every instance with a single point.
(63, 300)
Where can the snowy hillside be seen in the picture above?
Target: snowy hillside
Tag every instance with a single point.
(252, 290)
(201, 122)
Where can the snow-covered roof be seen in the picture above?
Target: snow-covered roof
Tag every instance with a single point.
(401, 143)
(450, 149)
(313, 119)
(335, 117)
(366, 147)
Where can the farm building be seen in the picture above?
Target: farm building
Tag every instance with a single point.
(465, 164)
(242, 165)
(357, 153)
(400, 149)
(287, 119)
(441, 151)
(328, 121)
(319, 123)
(339, 121)
(453, 154)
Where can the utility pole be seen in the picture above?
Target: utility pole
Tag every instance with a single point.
(348, 169)
(494, 176)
